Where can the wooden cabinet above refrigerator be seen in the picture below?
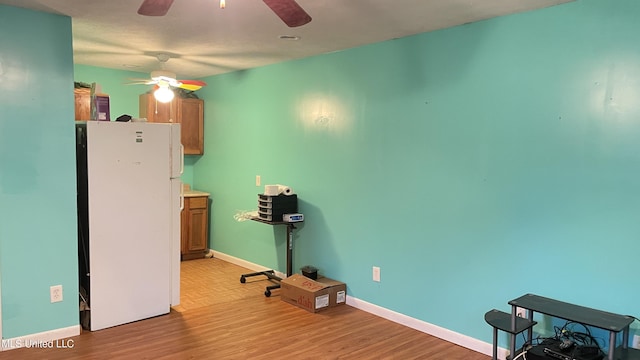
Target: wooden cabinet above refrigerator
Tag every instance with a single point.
(188, 112)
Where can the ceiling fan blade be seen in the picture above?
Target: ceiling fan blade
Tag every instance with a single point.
(289, 11)
(155, 7)
(191, 85)
(138, 81)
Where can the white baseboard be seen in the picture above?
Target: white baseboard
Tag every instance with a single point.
(244, 263)
(425, 327)
(53, 338)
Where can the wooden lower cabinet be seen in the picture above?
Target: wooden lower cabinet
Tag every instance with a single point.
(195, 227)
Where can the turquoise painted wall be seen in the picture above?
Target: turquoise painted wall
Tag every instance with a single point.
(123, 98)
(38, 240)
(473, 164)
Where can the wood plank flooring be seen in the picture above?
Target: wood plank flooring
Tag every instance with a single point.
(219, 318)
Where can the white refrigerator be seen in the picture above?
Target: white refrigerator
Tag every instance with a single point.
(129, 203)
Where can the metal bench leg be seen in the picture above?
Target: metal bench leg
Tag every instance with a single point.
(495, 343)
(612, 345)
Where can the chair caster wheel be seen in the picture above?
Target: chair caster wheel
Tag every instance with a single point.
(242, 279)
(267, 293)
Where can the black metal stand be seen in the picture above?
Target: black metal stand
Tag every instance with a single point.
(514, 325)
(607, 321)
(270, 274)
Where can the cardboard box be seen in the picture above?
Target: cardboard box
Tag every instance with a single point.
(313, 295)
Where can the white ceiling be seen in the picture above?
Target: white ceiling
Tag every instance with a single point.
(205, 40)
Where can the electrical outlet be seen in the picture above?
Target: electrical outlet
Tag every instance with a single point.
(56, 293)
(376, 274)
(257, 180)
(521, 312)
(636, 342)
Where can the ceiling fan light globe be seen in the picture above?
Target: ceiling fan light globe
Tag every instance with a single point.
(163, 94)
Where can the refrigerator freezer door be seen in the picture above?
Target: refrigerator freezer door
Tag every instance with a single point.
(130, 209)
(176, 152)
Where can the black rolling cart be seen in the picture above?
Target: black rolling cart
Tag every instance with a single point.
(270, 274)
(277, 210)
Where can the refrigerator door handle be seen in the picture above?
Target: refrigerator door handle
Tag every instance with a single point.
(181, 159)
(181, 198)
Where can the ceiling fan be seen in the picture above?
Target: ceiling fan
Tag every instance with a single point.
(287, 10)
(165, 80)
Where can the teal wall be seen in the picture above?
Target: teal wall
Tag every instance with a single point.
(38, 241)
(473, 164)
(123, 98)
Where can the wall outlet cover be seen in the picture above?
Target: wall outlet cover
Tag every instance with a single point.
(55, 293)
(376, 274)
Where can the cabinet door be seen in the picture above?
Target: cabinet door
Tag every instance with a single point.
(191, 117)
(156, 111)
(194, 232)
(83, 103)
(197, 241)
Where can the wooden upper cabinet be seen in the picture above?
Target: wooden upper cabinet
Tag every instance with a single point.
(156, 111)
(83, 103)
(187, 112)
(191, 116)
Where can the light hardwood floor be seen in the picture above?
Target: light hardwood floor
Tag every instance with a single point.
(220, 318)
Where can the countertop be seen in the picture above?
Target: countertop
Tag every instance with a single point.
(195, 193)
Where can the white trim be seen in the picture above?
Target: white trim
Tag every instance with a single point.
(42, 339)
(425, 327)
(245, 264)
